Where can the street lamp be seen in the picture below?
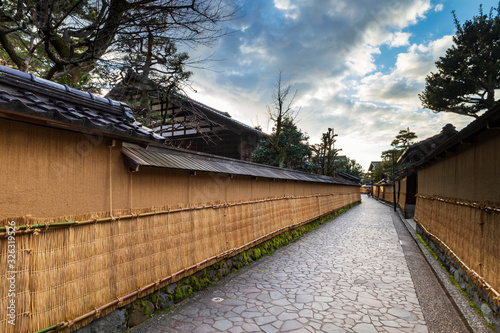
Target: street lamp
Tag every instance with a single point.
(393, 182)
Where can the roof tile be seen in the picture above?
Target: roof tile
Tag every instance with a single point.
(172, 158)
(57, 105)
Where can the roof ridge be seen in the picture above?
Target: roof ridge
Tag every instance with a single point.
(28, 98)
(227, 165)
(24, 80)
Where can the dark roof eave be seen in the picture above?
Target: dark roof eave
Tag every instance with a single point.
(29, 99)
(349, 176)
(488, 121)
(30, 82)
(233, 124)
(178, 159)
(18, 112)
(176, 98)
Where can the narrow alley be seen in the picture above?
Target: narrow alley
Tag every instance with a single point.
(361, 272)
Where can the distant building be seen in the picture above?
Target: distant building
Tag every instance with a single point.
(192, 125)
(371, 169)
(349, 177)
(373, 166)
(407, 184)
(365, 189)
(384, 190)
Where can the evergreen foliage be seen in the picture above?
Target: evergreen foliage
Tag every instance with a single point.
(289, 149)
(469, 73)
(76, 41)
(402, 141)
(323, 160)
(350, 166)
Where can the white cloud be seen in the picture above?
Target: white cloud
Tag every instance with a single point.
(400, 14)
(328, 50)
(360, 61)
(399, 39)
(439, 7)
(291, 10)
(283, 4)
(402, 86)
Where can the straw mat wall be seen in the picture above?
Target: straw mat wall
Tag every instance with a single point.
(378, 191)
(49, 173)
(402, 200)
(389, 193)
(459, 206)
(364, 190)
(66, 272)
(96, 236)
(472, 173)
(469, 232)
(383, 192)
(401, 193)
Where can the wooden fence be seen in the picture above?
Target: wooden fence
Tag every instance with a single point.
(469, 232)
(383, 192)
(92, 236)
(458, 206)
(69, 270)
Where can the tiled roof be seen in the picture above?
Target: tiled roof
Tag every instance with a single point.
(373, 165)
(349, 177)
(27, 98)
(419, 150)
(224, 116)
(172, 158)
(129, 87)
(489, 121)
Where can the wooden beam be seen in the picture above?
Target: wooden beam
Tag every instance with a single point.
(132, 166)
(452, 149)
(468, 141)
(493, 124)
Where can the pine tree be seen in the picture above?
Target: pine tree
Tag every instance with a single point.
(469, 73)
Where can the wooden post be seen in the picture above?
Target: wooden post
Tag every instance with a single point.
(393, 182)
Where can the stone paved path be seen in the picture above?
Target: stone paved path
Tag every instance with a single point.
(350, 275)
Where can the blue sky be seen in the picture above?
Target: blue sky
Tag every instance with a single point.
(358, 66)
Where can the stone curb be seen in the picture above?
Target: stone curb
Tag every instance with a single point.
(471, 318)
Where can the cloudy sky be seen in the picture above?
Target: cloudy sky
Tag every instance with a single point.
(358, 66)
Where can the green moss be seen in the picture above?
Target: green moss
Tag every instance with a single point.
(452, 279)
(154, 298)
(428, 247)
(246, 256)
(194, 283)
(144, 308)
(471, 303)
(431, 251)
(204, 282)
(456, 284)
(179, 294)
(129, 312)
(256, 254)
